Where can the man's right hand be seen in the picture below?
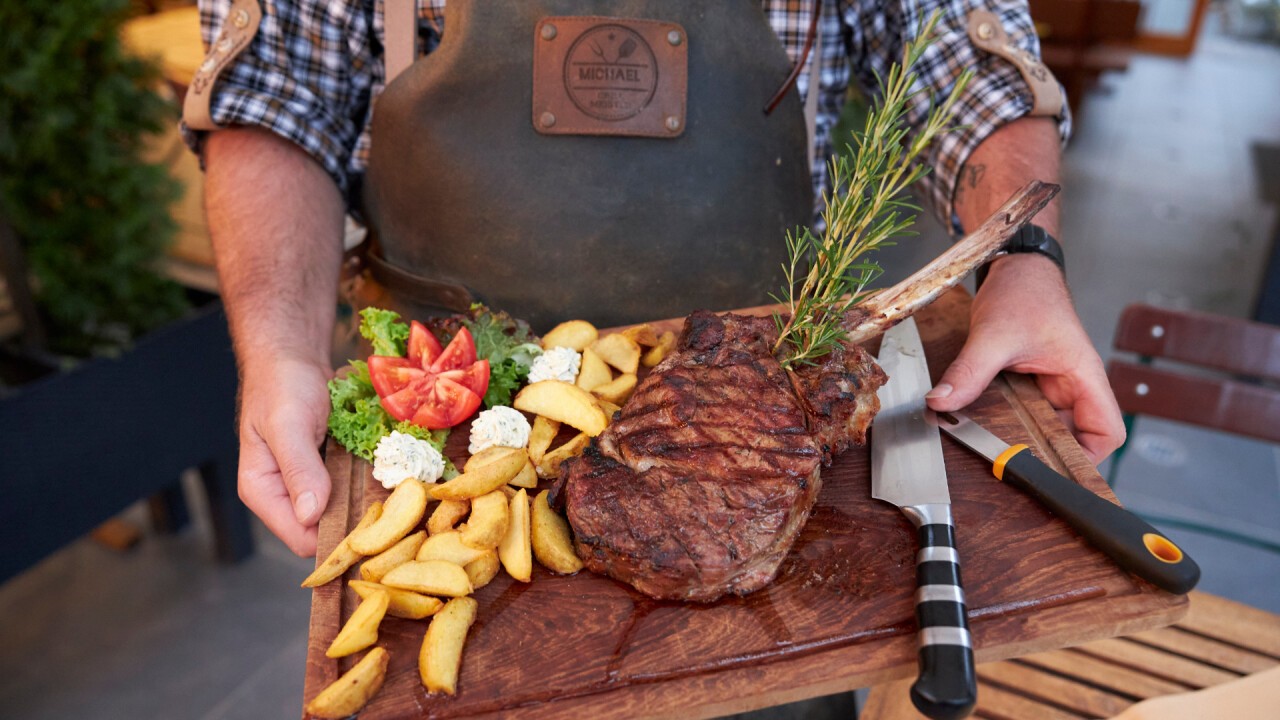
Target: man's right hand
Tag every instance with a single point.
(284, 408)
(275, 218)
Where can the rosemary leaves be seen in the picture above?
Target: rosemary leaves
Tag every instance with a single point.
(863, 211)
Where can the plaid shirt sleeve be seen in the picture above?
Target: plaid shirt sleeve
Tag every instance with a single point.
(308, 76)
(859, 39)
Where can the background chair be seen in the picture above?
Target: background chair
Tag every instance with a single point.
(1201, 369)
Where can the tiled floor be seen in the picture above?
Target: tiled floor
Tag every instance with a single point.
(1161, 207)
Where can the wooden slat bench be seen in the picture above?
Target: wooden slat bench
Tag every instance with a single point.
(1218, 641)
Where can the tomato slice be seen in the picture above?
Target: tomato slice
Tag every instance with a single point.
(391, 374)
(403, 403)
(474, 378)
(423, 346)
(431, 387)
(447, 404)
(460, 353)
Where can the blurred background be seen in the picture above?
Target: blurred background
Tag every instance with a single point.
(135, 585)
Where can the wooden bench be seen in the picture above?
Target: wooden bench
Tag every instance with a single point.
(1218, 641)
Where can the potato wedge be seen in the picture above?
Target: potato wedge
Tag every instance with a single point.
(361, 629)
(402, 552)
(619, 351)
(561, 401)
(526, 478)
(349, 693)
(618, 390)
(483, 569)
(448, 546)
(446, 515)
(550, 465)
(430, 577)
(593, 372)
(515, 549)
(485, 472)
(488, 456)
(488, 521)
(440, 658)
(402, 603)
(644, 335)
(655, 354)
(576, 334)
(549, 536)
(342, 556)
(608, 407)
(400, 513)
(541, 435)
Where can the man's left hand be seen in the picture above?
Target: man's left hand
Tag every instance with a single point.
(1023, 320)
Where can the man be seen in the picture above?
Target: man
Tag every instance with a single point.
(296, 104)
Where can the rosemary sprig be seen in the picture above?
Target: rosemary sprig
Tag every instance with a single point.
(863, 211)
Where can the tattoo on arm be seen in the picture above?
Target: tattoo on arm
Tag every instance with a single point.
(970, 176)
(973, 174)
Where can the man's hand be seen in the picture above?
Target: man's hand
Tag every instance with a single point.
(1023, 320)
(283, 411)
(275, 218)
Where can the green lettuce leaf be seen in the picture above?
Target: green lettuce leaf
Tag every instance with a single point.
(384, 329)
(509, 345)
(356, 418)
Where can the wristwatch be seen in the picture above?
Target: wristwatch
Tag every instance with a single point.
(1028, 239)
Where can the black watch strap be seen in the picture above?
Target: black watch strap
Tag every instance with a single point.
(1029, 239)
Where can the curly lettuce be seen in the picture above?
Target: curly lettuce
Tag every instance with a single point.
(509, 345)
(384, 330)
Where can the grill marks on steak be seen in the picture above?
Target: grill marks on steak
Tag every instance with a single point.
(839, 396)
(701, 485)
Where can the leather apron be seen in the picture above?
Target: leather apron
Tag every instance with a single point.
(465, 192)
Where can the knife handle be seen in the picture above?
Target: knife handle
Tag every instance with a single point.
(947, 686)
(1128, 539)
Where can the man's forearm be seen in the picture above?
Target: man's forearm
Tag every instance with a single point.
(1023, 150)
(275, 218)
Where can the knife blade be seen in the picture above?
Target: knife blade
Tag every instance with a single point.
(1128, 539)
(907, 470)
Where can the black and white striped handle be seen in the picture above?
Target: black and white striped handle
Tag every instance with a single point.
(947, 685)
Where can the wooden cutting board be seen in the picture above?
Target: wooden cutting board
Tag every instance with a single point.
(839, 615)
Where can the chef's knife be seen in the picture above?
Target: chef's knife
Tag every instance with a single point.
(907, 470)
(1125, 537)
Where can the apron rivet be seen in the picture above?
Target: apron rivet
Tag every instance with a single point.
(240, 19)
(985, 31)
(673, 37)
(547, 119)
(548, 32)
(673, 123)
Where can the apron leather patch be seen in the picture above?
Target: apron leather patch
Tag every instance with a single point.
(609, 76)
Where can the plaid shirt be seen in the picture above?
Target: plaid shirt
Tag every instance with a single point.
(314, 69)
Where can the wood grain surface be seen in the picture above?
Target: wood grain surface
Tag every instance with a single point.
(839, 615)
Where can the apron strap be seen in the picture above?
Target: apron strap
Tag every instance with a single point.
(400, 29)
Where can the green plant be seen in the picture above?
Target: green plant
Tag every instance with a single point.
(92, 217)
